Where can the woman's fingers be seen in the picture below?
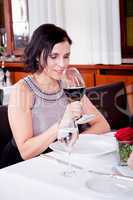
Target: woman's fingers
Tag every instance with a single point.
(75, 109)
(130, 161)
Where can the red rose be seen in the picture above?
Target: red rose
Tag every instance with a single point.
(125, 134)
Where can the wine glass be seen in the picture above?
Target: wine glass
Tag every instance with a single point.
(74, 88)
(67, 136)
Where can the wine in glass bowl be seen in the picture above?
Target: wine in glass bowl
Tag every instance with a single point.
(73, 84)
(74, 93)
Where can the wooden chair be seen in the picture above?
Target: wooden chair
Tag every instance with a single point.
(112, 102)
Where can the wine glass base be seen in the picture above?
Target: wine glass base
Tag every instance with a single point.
(85, 118)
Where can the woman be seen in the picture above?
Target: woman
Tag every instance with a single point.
(38, 103)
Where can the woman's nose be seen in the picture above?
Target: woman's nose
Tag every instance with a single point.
(61, 63)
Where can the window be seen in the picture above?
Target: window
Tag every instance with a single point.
(126, 20)
(16, 25)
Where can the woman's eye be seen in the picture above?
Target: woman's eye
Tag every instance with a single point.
(53, 56)
(67, 56)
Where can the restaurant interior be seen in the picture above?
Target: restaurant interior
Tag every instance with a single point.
(102, 51)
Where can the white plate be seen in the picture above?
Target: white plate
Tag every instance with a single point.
(91, 145)
(110, 185)
(124, 170)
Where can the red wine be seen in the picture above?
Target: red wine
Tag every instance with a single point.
(75, 93)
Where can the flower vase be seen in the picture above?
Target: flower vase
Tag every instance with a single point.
(124, 150)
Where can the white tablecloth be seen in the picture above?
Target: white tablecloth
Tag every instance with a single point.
(41, 178)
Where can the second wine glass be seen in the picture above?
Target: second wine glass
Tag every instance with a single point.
(67, 136)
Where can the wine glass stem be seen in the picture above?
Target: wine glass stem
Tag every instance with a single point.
(69, 167)
(69, 171)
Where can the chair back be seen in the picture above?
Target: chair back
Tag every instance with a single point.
(5, 130)
(1, 96)
(111, 100)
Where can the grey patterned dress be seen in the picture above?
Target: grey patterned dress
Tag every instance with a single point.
(46, 109)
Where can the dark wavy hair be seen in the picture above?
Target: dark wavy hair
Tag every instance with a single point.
(43, 40)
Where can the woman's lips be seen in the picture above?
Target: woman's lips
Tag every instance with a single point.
(59, 71)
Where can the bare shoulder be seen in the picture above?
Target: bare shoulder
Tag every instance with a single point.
(20, 88)
(20, 95)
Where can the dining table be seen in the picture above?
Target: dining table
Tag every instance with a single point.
(42, 177)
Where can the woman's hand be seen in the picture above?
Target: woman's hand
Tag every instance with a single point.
(130, 161)
(73, 111)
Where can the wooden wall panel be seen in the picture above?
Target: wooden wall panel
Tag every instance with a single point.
(19, 75)
(89, 77)
(105, 79)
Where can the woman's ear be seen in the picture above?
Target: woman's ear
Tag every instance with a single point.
(37, 59)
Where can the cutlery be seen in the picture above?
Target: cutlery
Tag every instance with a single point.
(113, 175)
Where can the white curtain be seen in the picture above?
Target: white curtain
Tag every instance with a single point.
(95, 29)
(45, 11)
(93, 26)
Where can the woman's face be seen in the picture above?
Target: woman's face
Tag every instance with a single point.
(58, 60)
